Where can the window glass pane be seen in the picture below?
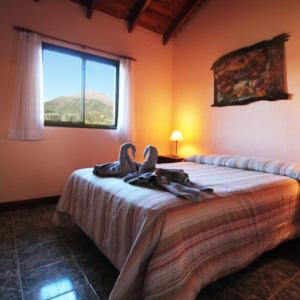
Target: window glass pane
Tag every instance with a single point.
(62, 86)
(100, 93)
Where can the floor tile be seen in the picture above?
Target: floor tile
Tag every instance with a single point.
(223, 295)
(34, 217)
(254, 285)
(214, 287)
(296, 280)
(288, 293)
(87, 293)
(53, 280)
(39, 255)
(280, 268)
(38, 221)
(45, 211)
(6, 238)
(82, 293)
(70, 232)
(102, 286)
(8, 264)
(217, 291)
(20, 214)
(81, 246)
(5, 218)
(10, 288)
(32, 235)
(97, 264)
(101, 274)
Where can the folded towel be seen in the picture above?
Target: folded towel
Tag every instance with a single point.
(119, 168)
(151, 160)
(175, 181)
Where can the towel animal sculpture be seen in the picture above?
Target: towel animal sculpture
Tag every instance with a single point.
(150, 156)
(119, 168)
(175, 181)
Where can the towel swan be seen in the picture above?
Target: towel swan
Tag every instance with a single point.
(149, 164)
(119, 168)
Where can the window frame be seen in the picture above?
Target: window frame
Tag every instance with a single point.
(84, 57)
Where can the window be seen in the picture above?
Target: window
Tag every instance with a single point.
(80, 89)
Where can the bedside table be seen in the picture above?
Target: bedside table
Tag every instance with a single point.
(162, 159)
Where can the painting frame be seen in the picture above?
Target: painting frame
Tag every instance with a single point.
(252, 73)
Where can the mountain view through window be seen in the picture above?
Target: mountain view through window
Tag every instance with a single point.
(79, 89)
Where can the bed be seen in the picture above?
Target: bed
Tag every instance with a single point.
(170, 248)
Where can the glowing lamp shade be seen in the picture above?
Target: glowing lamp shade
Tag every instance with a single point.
(176, 136)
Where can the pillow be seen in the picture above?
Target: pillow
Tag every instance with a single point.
(247, 163)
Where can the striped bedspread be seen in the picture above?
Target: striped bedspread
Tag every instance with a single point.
(170, 248)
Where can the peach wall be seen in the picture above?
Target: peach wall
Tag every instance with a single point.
(39, 169)
(266, 129)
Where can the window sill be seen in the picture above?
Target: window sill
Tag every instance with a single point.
(79, 125)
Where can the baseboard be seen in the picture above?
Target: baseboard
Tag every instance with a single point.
(28, 203)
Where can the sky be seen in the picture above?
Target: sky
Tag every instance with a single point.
(63, 72)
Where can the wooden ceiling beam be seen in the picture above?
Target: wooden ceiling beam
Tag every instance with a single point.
(90, 8)
(137, 10)
(181, 18)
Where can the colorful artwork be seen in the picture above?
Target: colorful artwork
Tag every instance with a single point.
(251, 74)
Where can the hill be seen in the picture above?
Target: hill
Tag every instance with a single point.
(98, 109)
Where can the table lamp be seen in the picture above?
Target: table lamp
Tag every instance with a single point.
(176, 136)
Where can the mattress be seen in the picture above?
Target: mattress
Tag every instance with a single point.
(170, 248)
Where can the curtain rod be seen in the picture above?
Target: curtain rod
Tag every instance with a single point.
(18, 28)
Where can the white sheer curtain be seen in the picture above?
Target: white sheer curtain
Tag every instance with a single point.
(126, 126)
(26, 121)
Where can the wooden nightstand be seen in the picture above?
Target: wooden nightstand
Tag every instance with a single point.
(162, 159)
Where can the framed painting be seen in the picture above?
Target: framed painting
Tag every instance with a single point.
(251, 74)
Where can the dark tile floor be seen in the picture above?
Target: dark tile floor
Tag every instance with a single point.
(41, 261)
